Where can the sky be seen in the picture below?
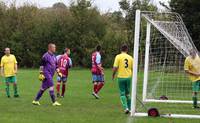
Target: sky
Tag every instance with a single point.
(103, 5)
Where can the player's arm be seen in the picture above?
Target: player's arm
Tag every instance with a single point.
(115, 67)
(2, 68)
(42, 64)
(2, 71)
(114, 72)
(15, 67)
(70, 63)
(192, 73)
(187, 68)
(99, 65)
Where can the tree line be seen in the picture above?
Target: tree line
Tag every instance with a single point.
(80, 26)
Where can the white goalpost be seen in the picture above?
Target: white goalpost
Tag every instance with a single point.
(161, 44)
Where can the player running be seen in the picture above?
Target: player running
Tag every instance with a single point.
(64, 63)
(47, 70)
(97, 72)
(9, 71)
(192, 68)
(123, 65)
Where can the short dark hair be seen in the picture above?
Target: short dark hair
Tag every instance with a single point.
(98, 47)
(124, 48)
(65, 50)
(50, 44)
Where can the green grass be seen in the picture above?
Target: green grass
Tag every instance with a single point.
(78, 106)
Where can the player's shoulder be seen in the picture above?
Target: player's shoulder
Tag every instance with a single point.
(130, 57)
(45, 54)
(187, 58)
(3, 57)
(12, 55)
(117, 56)
(58, 57)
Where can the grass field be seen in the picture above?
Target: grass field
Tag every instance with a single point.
(78, 106)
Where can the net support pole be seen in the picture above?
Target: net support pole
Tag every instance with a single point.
(146, 64)
(135, 64)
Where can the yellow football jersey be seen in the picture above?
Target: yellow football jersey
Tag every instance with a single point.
(124, 63)
(194, 66)
(8, 64)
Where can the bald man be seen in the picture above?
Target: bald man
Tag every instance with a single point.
(47, 69)
(9, 71)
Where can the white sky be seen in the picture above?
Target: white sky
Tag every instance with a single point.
(103, 5)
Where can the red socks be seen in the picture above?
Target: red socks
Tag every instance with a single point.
(95, 88)
(63, 89)
(98, 87)
(58, 87)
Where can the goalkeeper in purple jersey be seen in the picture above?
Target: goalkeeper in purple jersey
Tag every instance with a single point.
(47, 70)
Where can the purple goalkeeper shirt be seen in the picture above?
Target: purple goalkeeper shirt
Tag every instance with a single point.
(49, 65)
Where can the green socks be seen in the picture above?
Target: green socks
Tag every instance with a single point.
(15, 90)
(194, 98)
(7, 91)
(129, 102)
(124, 102)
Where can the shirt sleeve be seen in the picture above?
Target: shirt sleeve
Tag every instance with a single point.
(116, 62)
(186, 64)
(98, 58)
(70, 62)
(43, 60)
(132, 60)
(57, 58)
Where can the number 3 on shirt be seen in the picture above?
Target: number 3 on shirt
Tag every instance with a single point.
(126, 63)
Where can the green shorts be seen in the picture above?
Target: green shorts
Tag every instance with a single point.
(11, 79)
(196, 86)
(124, 86)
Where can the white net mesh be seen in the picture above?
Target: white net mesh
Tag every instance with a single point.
(170, 43)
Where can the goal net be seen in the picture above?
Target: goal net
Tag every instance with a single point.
(161, 45)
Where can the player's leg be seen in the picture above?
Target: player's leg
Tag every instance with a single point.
(122, 90)
(128, 86)
(7, 87)
(52, 95)
(195, 89)
(64, 81)
(53, 98)
(14, 81)
(43, 87)
(58, 86)
(100, 83)
(95, 85)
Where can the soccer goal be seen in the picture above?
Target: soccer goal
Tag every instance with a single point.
(160, 85)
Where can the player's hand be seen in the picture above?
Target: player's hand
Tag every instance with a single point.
(60, 74)
(15, 71)
(41, 77)
(2, 74)
(113, 77)
(197, 74)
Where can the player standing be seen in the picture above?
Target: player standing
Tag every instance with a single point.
(9, 71)
(97, 72)
(47, 69)
(64, 63)
(192, 68)
(123, 65)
